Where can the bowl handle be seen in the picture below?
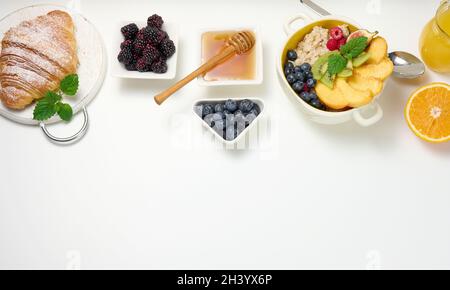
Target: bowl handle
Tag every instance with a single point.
(288, 29)
(71, 139)
(366, 122)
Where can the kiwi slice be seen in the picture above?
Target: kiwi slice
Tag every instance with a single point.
(346, 73)
(361, 59)
(328, 80)
(320, 67)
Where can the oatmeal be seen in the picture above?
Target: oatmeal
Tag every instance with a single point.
(314, 45)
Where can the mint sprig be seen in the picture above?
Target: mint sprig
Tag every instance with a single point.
(354, 47)
(69, 85)
(336, 64)
(52, 104)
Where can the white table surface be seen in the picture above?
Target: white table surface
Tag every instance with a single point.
(147, 187)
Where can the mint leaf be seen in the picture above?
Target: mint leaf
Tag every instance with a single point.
(354, 47)
(69, 85)
(336, 64)
(46, 107)
(64, 111)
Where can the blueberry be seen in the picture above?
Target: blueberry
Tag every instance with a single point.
(219, 108)
(300, 76)
(313, 96)
(288, 71)
(291, 78)
(250, 118)
(316, 104)
(309, 75)
(305, 96)
(207, 110)
(246, 106)
(230, 120)
(297, 69)
(219, 126)
(209, 120)
(298, 86)
(230, 133)
(240, 126)
(306, 67)
(289, 65)
(311, 83)
(254, 111)
(199, 110)
(231, 106)
(218, 117)
(292, 55)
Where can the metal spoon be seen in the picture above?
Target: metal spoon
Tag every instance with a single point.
(406, 65)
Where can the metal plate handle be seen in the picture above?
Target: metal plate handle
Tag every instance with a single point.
(71, 139)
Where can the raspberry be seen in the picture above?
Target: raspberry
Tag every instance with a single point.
(125, 56)
(332, 44)
(142, 65)
(336, 33)
(342, 42)
(155, 21)
(159, 66)
(167, 48)
(150, 54)
(129, 31)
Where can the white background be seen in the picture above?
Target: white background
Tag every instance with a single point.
(147, 187)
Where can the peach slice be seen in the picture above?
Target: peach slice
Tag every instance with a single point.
(362, 83)
(378, 50)
(333, 98)
(380, 71)
(354, 97)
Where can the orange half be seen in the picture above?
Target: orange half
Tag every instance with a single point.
(428, 112)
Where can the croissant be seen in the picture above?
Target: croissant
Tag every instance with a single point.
(36, 55)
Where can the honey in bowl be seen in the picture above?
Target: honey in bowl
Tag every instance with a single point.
(239, 67)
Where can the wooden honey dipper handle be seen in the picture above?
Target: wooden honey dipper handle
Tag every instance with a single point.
(239, 43)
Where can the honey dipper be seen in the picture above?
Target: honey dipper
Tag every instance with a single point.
(237, 44)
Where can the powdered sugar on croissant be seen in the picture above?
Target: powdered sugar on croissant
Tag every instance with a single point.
(36, 55)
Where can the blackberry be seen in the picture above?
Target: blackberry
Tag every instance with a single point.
(167, 48)
(139, 46)
(131, 66)
(155, 21)
(150, 54)
(127, 43)
(153, 35)
(159, 66)
(129, 31)
(140, 35)
(142, 65)
(125, 56)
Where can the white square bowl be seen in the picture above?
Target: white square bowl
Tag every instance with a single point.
(118, 69)
(259, 61)
(259, 102)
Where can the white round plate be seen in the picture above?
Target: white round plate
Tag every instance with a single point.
(91, 54)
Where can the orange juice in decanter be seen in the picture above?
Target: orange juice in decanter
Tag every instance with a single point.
(435, 40)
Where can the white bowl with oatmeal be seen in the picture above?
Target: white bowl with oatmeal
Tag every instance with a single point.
(309, 41)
